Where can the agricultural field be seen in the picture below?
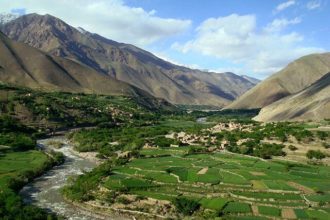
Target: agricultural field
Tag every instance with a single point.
(224, 166)
(221, 184)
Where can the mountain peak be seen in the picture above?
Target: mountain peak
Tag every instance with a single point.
(7, 17)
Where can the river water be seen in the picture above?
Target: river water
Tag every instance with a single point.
(45, 191)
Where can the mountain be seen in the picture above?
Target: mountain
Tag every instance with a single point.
(312, 103)
(295, 77)
(126, 62)
(26, 66)
(251, 79)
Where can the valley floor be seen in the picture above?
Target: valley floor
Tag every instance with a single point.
(155, 162)
(204, 179)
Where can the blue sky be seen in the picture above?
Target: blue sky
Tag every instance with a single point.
(253, 37)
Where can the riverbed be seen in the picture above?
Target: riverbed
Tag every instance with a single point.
(45, 191)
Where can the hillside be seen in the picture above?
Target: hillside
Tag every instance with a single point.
(312, 103)
(295, 77)
(26, 66)
(126, 62)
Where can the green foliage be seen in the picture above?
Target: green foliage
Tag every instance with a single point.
(12, 207)
(18, 165)
(301, 214)
(9, 124)
(267, 210)
(181, 172)
(81, 188)
(133, 183)
(196, 150)
(17, 141)
(236, 207)
(185, 205)
(292, 148)
(61, 109)
(322, 135)
(264, 150)
(16, 135)
(315, 154)
(214, 203)
(163, 142)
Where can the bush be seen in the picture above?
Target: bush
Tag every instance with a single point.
(18, 141)
(292, 148)
(81, 189)
(12, 207)
(186, 206)
(58, 158)
(326, 145)
(317, 154)
(266, 151)
(322, 135)
(163, 142)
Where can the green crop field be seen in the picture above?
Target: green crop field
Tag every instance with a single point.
(237, 207)
(272, 211)
(214, 203)
(13, 164)
(232, 182)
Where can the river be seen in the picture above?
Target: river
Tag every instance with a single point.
(45, 191)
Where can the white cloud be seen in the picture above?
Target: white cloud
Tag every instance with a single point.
(280, 24)
(285, 5)
(164, 56)
(236, 70)
(110, 18)
(236, 39)
(311, 5)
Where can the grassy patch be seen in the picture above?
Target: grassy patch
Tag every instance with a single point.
(272, 211)
(237, 207)
(214, 203)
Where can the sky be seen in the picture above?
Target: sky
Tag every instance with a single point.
(250, 37)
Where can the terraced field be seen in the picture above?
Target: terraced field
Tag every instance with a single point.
(228, 184)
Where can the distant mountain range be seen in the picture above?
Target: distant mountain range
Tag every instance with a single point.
(127, 63)
(297, 76)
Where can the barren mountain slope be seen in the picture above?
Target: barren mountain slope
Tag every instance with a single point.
(126, 62)
(312, 103)
(295, 77)
(26, 66)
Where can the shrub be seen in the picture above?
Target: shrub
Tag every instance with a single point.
(186, 206)
(292, 148)
(326, 145)
(322, 135)
(317, 154)
(123, 200)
